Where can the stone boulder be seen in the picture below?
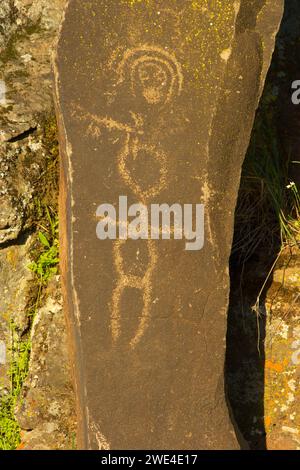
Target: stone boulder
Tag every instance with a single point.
(155, 102)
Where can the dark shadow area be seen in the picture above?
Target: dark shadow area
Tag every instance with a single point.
(22, 136)
(258, 235)
(245, 346)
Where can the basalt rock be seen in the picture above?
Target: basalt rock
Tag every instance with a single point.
(156, 101)
(45, 411)
(28, 29)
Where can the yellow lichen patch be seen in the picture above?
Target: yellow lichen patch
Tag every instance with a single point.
(208, 27)
(200, 31)
(12, 257)
(132, 3)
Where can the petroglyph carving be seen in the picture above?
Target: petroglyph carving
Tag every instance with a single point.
(152, 72)
(102, 442)
(156, 75)
(144, 284)
(131, 150)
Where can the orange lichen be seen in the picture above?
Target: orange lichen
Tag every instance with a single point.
(275, 366)
(21, 446)
(268, 422)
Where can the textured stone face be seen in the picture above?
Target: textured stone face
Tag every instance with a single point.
(28, 29)
(46, 413)
(156, 101)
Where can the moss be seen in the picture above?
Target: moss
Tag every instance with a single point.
(10, 52)
(46, 187)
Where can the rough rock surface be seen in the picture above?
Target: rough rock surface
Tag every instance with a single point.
(175, 84)
(282, 355)
(14, 287)
(28, 30)
(46, 410)
(264, 384)
(26, 36)
(6, 21)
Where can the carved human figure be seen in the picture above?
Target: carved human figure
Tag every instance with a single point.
(155, 75)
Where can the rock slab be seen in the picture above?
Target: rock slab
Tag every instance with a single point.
(155, 102)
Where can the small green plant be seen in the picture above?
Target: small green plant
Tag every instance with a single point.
(267, 218)
(10, 430)
(44, 266)
(47, 262)
(292, 222)
(268, 210)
